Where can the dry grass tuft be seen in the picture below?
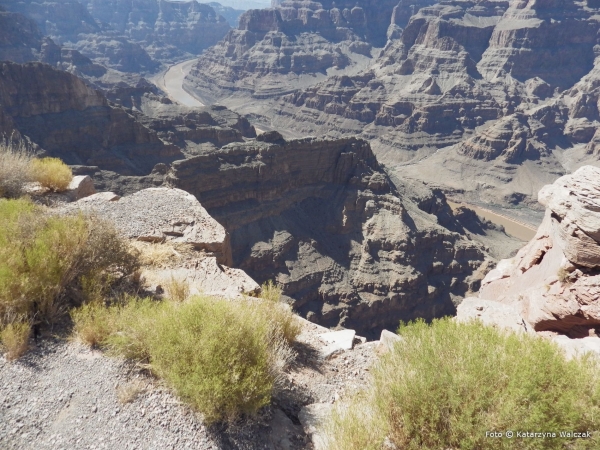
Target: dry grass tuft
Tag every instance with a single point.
(163, 254)
(14, 339)
(281, 314)
(15, 169)
(129, 392)
(52, 174)
(177, 289)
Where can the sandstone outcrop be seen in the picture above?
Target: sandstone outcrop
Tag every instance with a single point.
(323, 220)
(553, 283)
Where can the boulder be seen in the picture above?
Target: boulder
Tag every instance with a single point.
(81, 186)
(388, 340)
(209, 278)
(493, 314)
(337, 341)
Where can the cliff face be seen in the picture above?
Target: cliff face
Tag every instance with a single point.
(66, 118)
(322, 219)
(132, 37)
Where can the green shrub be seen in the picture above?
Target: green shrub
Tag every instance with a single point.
(43, 258)
(446, 384)
(222, 357)
(52, 173)
(14, 339)
(15, 169)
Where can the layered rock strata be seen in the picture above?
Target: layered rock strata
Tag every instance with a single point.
(124, 35)
(272, 50)
(323, 220)
(165, 29)
(504, 91)
(553, 283)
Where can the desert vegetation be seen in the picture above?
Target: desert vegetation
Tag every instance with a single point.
(447, 384)
(48, 263)
(222, 357)
(18, 166)
(51, 173)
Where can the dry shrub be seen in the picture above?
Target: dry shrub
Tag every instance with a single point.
(15, 169)
(178, 290)
(14, 339)
(52, 174)
(129, 392)
(224, 358)
(447, 384)
(281, 314)
(93, 323)
(43, 258)
(564, 276)
(161, 254)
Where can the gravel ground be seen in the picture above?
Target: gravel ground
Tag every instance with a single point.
(63, 395)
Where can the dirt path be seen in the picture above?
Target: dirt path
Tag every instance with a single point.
(171, 82)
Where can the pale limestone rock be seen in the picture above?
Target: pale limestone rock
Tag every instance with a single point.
(337, 341)
(81, 186)
(492, 313)
(312, 417)
(163, 214)
(578, 347)
(388, 340)
(208, 278)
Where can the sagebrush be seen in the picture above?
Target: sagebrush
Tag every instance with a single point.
(222, 357)
(47, 260)
(446, 384)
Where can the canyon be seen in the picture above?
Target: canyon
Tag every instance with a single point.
(434, 92)
(489, 101)
(381, 250)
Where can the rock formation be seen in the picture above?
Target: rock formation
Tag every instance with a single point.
(273, 49)
(349, 246)
(59, 113)
(322, 219)
(167, 30)
(553, 283)
(111, 45)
